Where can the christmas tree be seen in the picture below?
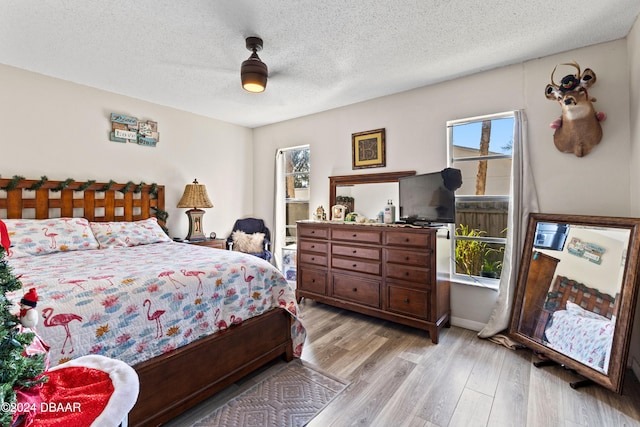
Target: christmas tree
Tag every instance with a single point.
(16, 369)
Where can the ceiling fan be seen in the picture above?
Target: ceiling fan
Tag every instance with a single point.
(254, 72)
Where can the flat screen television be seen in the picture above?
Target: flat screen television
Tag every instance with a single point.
(429, 198)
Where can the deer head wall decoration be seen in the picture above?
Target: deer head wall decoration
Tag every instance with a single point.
(578, 130)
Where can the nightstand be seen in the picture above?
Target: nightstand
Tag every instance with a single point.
(210, 243)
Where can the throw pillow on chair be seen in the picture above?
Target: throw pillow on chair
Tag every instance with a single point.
(248, 243)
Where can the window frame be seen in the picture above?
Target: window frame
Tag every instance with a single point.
(289, 240)
(451, 162)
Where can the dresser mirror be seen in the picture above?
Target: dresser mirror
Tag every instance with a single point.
(576, 294)
(365, 193)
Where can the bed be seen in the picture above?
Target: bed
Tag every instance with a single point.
(190, 319)
(578, 321)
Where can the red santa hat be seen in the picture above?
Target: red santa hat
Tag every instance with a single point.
(30, 298)
(4, 236)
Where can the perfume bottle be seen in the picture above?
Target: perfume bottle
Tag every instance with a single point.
(389, 213)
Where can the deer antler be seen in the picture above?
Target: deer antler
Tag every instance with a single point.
(552, 82)
(571, 64)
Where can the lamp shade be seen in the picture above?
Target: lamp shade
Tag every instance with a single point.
(195, 196)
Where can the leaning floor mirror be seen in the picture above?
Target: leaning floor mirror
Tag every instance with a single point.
(576, 293)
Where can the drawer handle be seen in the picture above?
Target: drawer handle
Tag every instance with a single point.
(313, 258)
(355, 251)
(407, 239)
(354, 265)
(406, 273)
(355, 289)
(406, 300)
(406, 258)
(313, 246)
(313, 280)
(313, 231)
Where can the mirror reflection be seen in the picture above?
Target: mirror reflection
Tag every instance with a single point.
(367, 199)
(575, 277)
(366, 194)
(576, 294)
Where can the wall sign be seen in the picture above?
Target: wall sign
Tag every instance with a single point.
(130, 129)
(590, 251)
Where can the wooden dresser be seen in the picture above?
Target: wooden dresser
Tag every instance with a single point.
(383, 271)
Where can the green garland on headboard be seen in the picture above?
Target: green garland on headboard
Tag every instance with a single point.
(160, 214)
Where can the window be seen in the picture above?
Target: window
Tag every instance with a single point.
(482, 148)
(296, 176)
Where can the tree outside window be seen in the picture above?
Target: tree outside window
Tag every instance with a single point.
(482, 149)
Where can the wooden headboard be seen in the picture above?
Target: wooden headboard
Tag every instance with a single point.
(99, 202)
(565, 289)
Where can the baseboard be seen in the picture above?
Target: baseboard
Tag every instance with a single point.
(635, 367)
(467, 324)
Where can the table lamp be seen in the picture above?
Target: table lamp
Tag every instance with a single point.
(195, 197)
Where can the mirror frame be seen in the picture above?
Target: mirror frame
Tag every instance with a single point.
(614, 377)
(368, 178)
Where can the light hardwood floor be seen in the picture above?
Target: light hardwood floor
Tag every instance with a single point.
(399, 378)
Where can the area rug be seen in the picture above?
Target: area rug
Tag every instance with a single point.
(291, 397)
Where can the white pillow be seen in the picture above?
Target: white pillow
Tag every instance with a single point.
(45, 236)
(248, 243)
(126, 233)
(576, 310)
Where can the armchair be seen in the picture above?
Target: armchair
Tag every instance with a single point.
(247, 228)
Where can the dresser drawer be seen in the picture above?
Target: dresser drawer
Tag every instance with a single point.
(408, 239)
(311, 258)
(357, 289)
(356, 265)
(409, 273)
(399, 256)
(356, 252)
(357, 236)
(315, 232)
(312, 246)
(409, 301)
(313, 281)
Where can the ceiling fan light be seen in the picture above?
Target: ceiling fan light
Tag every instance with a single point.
(254, 75)
(254, 72)
(253, 87)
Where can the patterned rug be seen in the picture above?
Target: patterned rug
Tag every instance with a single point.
(291, 397)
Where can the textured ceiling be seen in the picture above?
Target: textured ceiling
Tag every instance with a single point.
(321, 54)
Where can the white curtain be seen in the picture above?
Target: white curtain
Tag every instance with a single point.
(523, 200)
(278, 237)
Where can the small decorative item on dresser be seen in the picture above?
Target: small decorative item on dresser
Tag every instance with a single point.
(338, 212)
(320, 214)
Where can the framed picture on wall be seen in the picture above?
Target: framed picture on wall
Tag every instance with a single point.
(368, 149)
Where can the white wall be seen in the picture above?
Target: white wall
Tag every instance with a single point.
(416, 140)
(61, 130)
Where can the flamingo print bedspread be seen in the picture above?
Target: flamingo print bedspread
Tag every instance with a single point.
(138, 302)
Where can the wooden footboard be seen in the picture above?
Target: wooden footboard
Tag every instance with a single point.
(176, 381)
